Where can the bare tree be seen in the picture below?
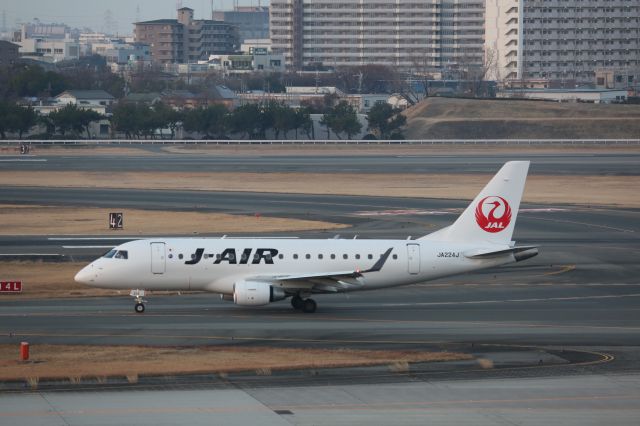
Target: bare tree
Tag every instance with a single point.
(422, 70)
(475, 70)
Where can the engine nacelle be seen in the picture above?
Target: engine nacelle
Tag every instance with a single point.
(256, 293)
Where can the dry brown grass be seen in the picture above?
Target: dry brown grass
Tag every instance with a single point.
(65, 362)
(602, 190)
(46, 280)
(464, 109)
(39, 220)
(450, 118)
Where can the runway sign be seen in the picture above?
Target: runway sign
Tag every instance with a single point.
(10, 286)
(116, 220)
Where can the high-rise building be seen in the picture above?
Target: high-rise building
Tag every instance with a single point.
(434, 34)
(185, 39)
(252, 22)
(562, 39)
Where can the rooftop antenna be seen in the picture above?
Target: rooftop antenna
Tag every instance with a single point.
(138, 13)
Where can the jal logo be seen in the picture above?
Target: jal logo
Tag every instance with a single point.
(493, 214)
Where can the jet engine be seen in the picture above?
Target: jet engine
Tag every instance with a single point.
(256, 293)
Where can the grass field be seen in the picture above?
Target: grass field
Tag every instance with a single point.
(77, 362)
(47, 220)
(603, 190)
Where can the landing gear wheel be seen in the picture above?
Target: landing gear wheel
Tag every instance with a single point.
(297, 302)
(309, 306)
(139, 308)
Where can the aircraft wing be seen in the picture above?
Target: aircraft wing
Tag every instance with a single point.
(325, 281)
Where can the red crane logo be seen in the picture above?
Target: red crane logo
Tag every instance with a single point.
(498, 216)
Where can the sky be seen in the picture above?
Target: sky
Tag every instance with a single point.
(92, 13)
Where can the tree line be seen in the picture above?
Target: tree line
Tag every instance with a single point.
(67, 121)
(249, 121)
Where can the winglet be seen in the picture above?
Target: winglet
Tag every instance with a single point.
(380, 263)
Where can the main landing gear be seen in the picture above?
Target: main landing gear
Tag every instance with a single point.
(305, 305)
(138, 295)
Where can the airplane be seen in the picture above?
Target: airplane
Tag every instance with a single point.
(259, 271)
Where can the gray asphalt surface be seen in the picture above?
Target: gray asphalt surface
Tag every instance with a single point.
(550, 163)
(580, 295)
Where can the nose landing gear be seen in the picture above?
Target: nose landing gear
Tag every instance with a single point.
(138, 295)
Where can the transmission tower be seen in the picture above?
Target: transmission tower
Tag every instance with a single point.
(109, 22)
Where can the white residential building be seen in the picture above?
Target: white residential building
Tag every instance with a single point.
(50, 50)
(433, 34)
(97, 100)
(561, 39)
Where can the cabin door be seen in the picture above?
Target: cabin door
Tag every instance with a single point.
(413, 258)
(158, 261)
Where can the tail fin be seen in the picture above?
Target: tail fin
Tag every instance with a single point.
(491, 217)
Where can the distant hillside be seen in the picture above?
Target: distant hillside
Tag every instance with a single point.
(453, 118)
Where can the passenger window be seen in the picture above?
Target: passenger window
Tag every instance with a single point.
(295, 256)
(395, 256)
(267, 257)
(357, 256)
(370, 256)
(109, 254)
(308, 256)
(333, 256)
(180, 256)
(121, 254)
(319, 256)
(281, 256)
(218, 256)
(345, 256)
(244, 257)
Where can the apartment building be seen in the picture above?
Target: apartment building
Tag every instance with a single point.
(562, 39)
(252, 22)
(406, 34)
(8, 53)
(185, 39)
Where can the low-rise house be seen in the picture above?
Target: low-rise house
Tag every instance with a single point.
(568, 95)
(218, 95)
(98, 100)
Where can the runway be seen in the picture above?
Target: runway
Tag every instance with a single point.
(555, 163)
(562, 329)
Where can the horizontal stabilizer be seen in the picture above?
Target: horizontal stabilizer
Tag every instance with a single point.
(520, 253)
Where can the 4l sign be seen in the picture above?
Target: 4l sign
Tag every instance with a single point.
(10, 286)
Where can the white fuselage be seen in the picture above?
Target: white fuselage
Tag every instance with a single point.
(215, 265)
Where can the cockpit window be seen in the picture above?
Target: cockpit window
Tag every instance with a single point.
(110, 254)
(122, 254)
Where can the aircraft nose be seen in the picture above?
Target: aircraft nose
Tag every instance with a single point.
(86, 275)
